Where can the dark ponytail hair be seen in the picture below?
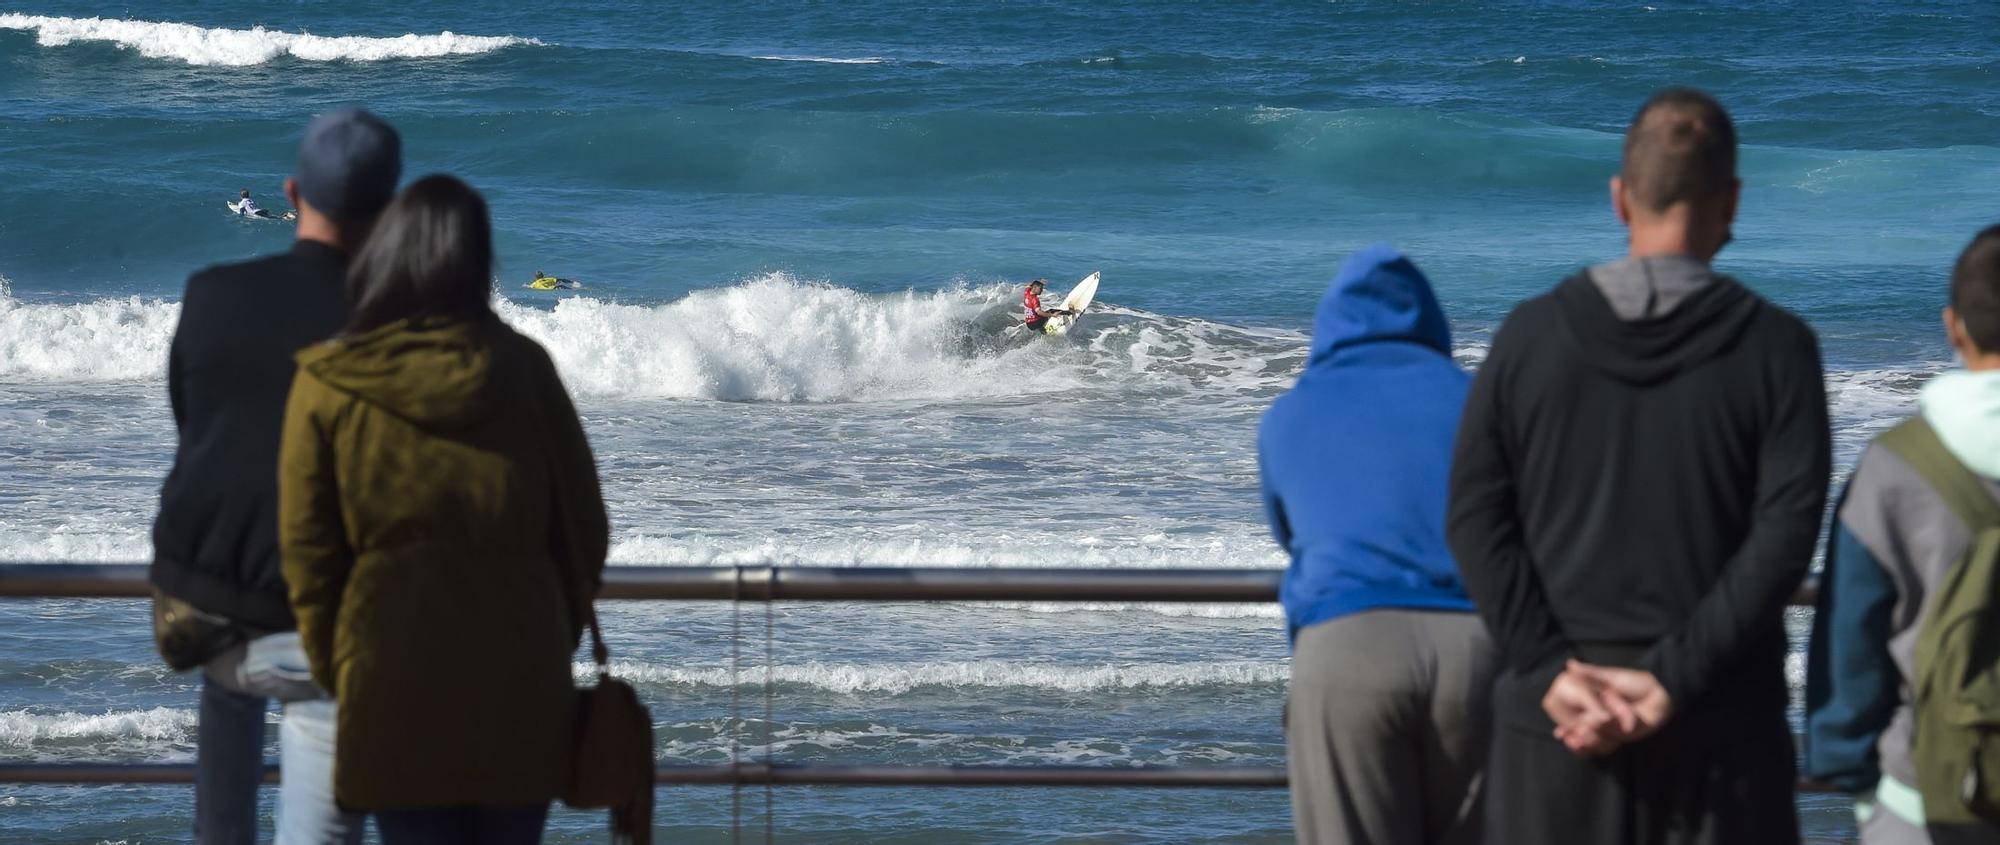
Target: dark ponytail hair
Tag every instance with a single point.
(429, 255)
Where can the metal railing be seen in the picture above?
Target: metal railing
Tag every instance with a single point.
(780, 583)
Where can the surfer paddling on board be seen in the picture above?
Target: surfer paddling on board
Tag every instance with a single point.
(244, 206)
(1035, 314)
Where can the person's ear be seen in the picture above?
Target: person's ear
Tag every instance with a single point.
(292, 191)
(1955, 334)
(1619, 204)
(1735, 196)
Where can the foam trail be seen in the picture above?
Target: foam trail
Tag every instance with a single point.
(244, 47)
(902, 678)
(828, 60)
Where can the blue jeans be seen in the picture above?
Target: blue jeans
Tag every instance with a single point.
(471, 825)
(229, 766)
(307, 813)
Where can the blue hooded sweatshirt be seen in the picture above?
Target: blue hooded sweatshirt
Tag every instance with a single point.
(1356, 458)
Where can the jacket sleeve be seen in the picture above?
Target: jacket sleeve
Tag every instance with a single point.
(312, 535)
(174, 400)
(581, 529)
(1274, 507)
(191, 304)
(1852, 685)
(1483, 527)
(1748, 601)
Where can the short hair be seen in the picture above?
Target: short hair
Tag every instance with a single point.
(1975, 289)
(1681, 147)
(246, 192)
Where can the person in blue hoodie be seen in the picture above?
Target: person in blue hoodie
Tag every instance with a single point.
(1894, 538)
(1388, 720)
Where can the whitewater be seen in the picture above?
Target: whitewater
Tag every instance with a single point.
(245, 47)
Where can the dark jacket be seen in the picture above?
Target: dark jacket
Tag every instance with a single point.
(1356, 456)
(442, 529)
(1646, 492)
(215, 542)
(1649, 490)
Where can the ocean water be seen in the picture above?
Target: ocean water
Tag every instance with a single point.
(800, 227)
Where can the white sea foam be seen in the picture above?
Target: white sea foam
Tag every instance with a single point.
(779, 339)
(242, 47)
(1253, 550)
(902, 678)
(828, 60)
(710, 741)
(101, 340)
(1866, 403)
(83, 545)
(25, 729)
(770, 339)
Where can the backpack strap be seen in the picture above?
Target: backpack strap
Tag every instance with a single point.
(1962, 491)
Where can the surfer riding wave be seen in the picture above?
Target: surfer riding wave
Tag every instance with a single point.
(1036, 316)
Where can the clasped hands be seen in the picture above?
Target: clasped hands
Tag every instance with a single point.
(1599, 709)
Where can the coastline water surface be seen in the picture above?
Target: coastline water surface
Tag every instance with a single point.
(800, 229)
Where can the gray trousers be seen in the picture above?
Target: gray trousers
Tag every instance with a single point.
(1387, 728)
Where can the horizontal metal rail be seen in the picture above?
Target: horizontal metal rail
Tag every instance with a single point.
(791, 583)
(783, 583)
(781, 774)
(756, 774)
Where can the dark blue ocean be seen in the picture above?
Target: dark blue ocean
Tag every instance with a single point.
(800, 227)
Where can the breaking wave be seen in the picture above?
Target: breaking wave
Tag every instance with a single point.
(244, 47)
(771, 339)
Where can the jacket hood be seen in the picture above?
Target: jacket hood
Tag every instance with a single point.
(434, 372)
(1379, 295)
(1653, 349)
(1964, 409)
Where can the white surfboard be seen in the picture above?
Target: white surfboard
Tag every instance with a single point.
(1076, 302)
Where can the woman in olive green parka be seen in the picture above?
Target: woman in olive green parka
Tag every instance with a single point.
(441, 531)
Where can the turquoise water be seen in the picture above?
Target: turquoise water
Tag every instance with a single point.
(800, 227)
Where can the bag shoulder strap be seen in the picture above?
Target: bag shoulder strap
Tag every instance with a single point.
(1962, 491)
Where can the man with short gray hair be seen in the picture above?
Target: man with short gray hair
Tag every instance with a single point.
(1636, 491)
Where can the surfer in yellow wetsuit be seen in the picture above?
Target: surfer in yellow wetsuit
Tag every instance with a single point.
(1036, 317)
(547, 282)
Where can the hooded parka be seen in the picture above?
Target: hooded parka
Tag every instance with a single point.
(440, 526)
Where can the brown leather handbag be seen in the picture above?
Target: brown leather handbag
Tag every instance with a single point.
(613, 766)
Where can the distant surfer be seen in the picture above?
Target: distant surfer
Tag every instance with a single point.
(244, 206)
(544, 281)
(1036, 317)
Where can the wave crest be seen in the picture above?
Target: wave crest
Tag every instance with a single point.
(245, 47)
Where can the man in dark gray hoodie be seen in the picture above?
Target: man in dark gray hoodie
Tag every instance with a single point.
(1636, 491)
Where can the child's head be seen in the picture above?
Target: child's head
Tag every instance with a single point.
(1973, 319)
